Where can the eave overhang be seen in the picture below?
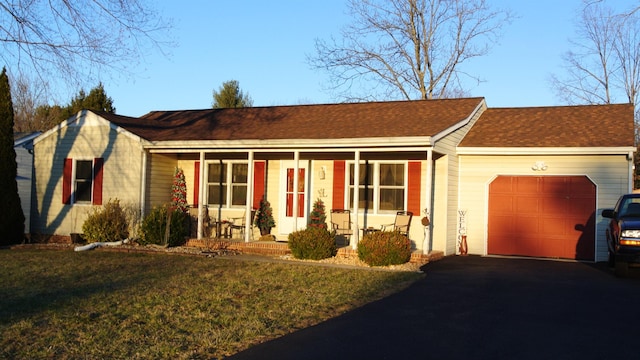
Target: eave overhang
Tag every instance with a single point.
(418, 143)
(623, 150)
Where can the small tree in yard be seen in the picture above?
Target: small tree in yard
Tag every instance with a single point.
(179, 191)
(11, 216)
(264, 217)
(318, 216)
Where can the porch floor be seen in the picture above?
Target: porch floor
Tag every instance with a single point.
(280, 248)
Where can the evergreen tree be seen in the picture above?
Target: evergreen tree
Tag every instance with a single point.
(230, 96)
(97, 100)
(318, 217)
(179, 191)
(11, 216)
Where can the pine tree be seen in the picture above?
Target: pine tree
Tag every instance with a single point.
(179, 191)
(318, 217)
(11, 216)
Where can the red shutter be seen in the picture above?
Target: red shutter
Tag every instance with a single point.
(258, 182)
(196, 183)
(97, 180)
(338, 184)
(67, 169)
(413, 188)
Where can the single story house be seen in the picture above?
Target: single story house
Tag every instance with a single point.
(511, 181)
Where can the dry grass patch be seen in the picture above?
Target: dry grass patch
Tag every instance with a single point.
(66, 305)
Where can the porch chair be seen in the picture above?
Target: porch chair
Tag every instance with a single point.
(238, 224)
(341, 223)
(401, 224)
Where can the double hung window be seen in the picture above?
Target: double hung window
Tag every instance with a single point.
(381, 186)
(227, 184)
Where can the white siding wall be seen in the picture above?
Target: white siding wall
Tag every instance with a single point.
(86, 139)
(160, 178)
(608, 173)
(445, 214)
(25, 163)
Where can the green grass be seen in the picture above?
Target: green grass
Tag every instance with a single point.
(97, 304)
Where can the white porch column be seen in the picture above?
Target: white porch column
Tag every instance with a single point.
(249, 202)
(426, 244)
(296, 182)
(201, 196)
(356, 201)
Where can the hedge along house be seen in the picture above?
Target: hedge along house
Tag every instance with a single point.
(411, 155)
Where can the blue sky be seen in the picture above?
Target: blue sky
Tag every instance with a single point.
(264, 44)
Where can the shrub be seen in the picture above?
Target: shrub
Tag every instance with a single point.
(154, 227)
(312, 243)
(383, 248)
(106, 223)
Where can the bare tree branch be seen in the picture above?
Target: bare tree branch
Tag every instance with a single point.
(77, 39)
(408, 48)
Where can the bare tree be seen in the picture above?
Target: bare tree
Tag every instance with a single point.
(408, 48)
(604, 67)
(75, 40)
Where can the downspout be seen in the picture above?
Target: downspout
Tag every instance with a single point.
(426, 244)
(201, 197)
(356, 201)
(249, 203)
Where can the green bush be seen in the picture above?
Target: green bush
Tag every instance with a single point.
(312, 243)
(154, 227)
(106, 223)
(383, 248)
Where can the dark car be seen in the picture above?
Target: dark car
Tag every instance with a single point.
(623, 233)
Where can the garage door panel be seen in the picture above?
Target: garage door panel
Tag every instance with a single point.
(551, 216)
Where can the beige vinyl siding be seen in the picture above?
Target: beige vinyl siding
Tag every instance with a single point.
(272, 193)
(445, 212)
(160, 178)
(188, 168)
(90, 137)
(24, 161)
(608, 172)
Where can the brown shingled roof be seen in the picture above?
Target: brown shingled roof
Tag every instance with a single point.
(330, 121)
(559, 126)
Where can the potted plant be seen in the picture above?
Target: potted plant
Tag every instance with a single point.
(264, 217)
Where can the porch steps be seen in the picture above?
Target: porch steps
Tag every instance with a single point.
(274, 248)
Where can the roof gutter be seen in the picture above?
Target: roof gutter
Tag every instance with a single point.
(622, 150)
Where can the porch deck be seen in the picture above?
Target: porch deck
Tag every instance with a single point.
(279, 248)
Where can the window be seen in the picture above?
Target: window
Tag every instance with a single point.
(382, 186)
(82, 181)
(227, 184)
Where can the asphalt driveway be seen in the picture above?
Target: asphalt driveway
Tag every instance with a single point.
(483, 308)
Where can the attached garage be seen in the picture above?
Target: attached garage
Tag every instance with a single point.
(533, 181)
(542, 216)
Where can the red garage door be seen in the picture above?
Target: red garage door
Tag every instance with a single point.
(542, 216)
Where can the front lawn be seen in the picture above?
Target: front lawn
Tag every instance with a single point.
(97, 304)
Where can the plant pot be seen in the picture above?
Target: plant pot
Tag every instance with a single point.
(264, 232)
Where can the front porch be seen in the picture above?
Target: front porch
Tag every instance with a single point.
(281, 248)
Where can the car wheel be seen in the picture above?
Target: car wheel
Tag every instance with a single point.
(621, 269)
